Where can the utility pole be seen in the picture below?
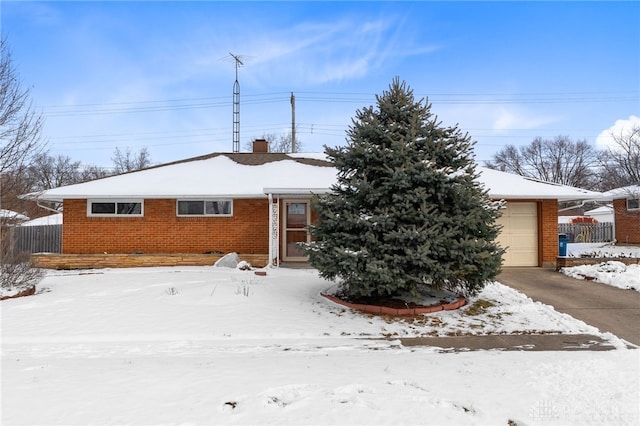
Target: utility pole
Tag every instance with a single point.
(293, 123)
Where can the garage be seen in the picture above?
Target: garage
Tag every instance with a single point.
(519, 234)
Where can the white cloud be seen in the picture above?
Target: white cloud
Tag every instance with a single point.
(512, 118)
(621, 127)
(321, 52)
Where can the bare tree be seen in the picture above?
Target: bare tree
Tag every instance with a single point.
(20, 130)
(280, 143)
(284, 144)
(620, 164)
(91, 172)
(20, 127)
(560, 160)
(48, 172)
(127, 161)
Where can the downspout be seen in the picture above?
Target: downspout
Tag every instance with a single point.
(45, 207)
(576, 206)
(37, 200)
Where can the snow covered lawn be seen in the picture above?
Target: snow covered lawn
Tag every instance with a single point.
(613, 273)
(601, 250)
(207, 345)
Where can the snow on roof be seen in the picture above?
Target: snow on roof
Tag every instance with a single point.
(243, 175)
(250, 175)
(623, 192)
(52, 219)
(315, 155)
(600, 211)
(502, 185)
(11, 215)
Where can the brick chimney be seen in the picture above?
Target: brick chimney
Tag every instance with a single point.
(260, 145)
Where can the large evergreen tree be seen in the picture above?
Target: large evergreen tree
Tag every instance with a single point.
(406, 213)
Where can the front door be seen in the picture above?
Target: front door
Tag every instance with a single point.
(295, 223)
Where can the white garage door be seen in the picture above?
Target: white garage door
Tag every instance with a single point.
(519, 234)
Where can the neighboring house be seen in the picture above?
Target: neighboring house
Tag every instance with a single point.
(601, 214)
(260, 204)
(573, 219)
(595, 226)
(626, 207)
(52, 219)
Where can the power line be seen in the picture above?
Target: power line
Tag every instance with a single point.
(335, 97)
(325, 129)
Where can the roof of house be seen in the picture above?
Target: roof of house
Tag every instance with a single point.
(250, 175)
(623, 192)
(233, 175)
(10, 215)
(515, 187)
(603, 210)
(52, 219)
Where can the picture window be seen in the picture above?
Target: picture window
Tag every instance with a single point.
(205, 208)
(115, 208)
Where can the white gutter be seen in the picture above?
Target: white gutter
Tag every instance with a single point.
(46, 208)
(60, 198)
(296, 191)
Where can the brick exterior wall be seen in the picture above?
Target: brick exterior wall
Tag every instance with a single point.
(246, 232)
(162, 231)
(627, 223)
(547, 232)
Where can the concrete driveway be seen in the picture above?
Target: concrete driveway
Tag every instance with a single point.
(605, 307)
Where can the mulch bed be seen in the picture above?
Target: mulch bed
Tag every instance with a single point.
(395, 307)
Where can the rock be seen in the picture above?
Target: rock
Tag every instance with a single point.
(229, 260)
(244, 266)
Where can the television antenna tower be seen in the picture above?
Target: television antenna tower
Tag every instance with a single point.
(236, 103)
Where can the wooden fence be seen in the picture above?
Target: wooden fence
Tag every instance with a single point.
(601, 232)
(36, 239)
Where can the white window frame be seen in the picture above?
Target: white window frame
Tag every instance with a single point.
(637, 200)
(204, 200)
(90, 202)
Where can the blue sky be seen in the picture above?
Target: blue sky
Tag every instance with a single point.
(158, 74)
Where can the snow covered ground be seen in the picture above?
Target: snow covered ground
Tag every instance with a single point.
(204, 346)
(613, 273)
(601, 250)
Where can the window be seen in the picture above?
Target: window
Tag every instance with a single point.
(205, 208)
(114, 208)
(633, 203)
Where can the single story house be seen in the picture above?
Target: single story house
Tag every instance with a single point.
(258, 204)
(626, 210)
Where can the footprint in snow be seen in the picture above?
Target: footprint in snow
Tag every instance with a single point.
(285, 396)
